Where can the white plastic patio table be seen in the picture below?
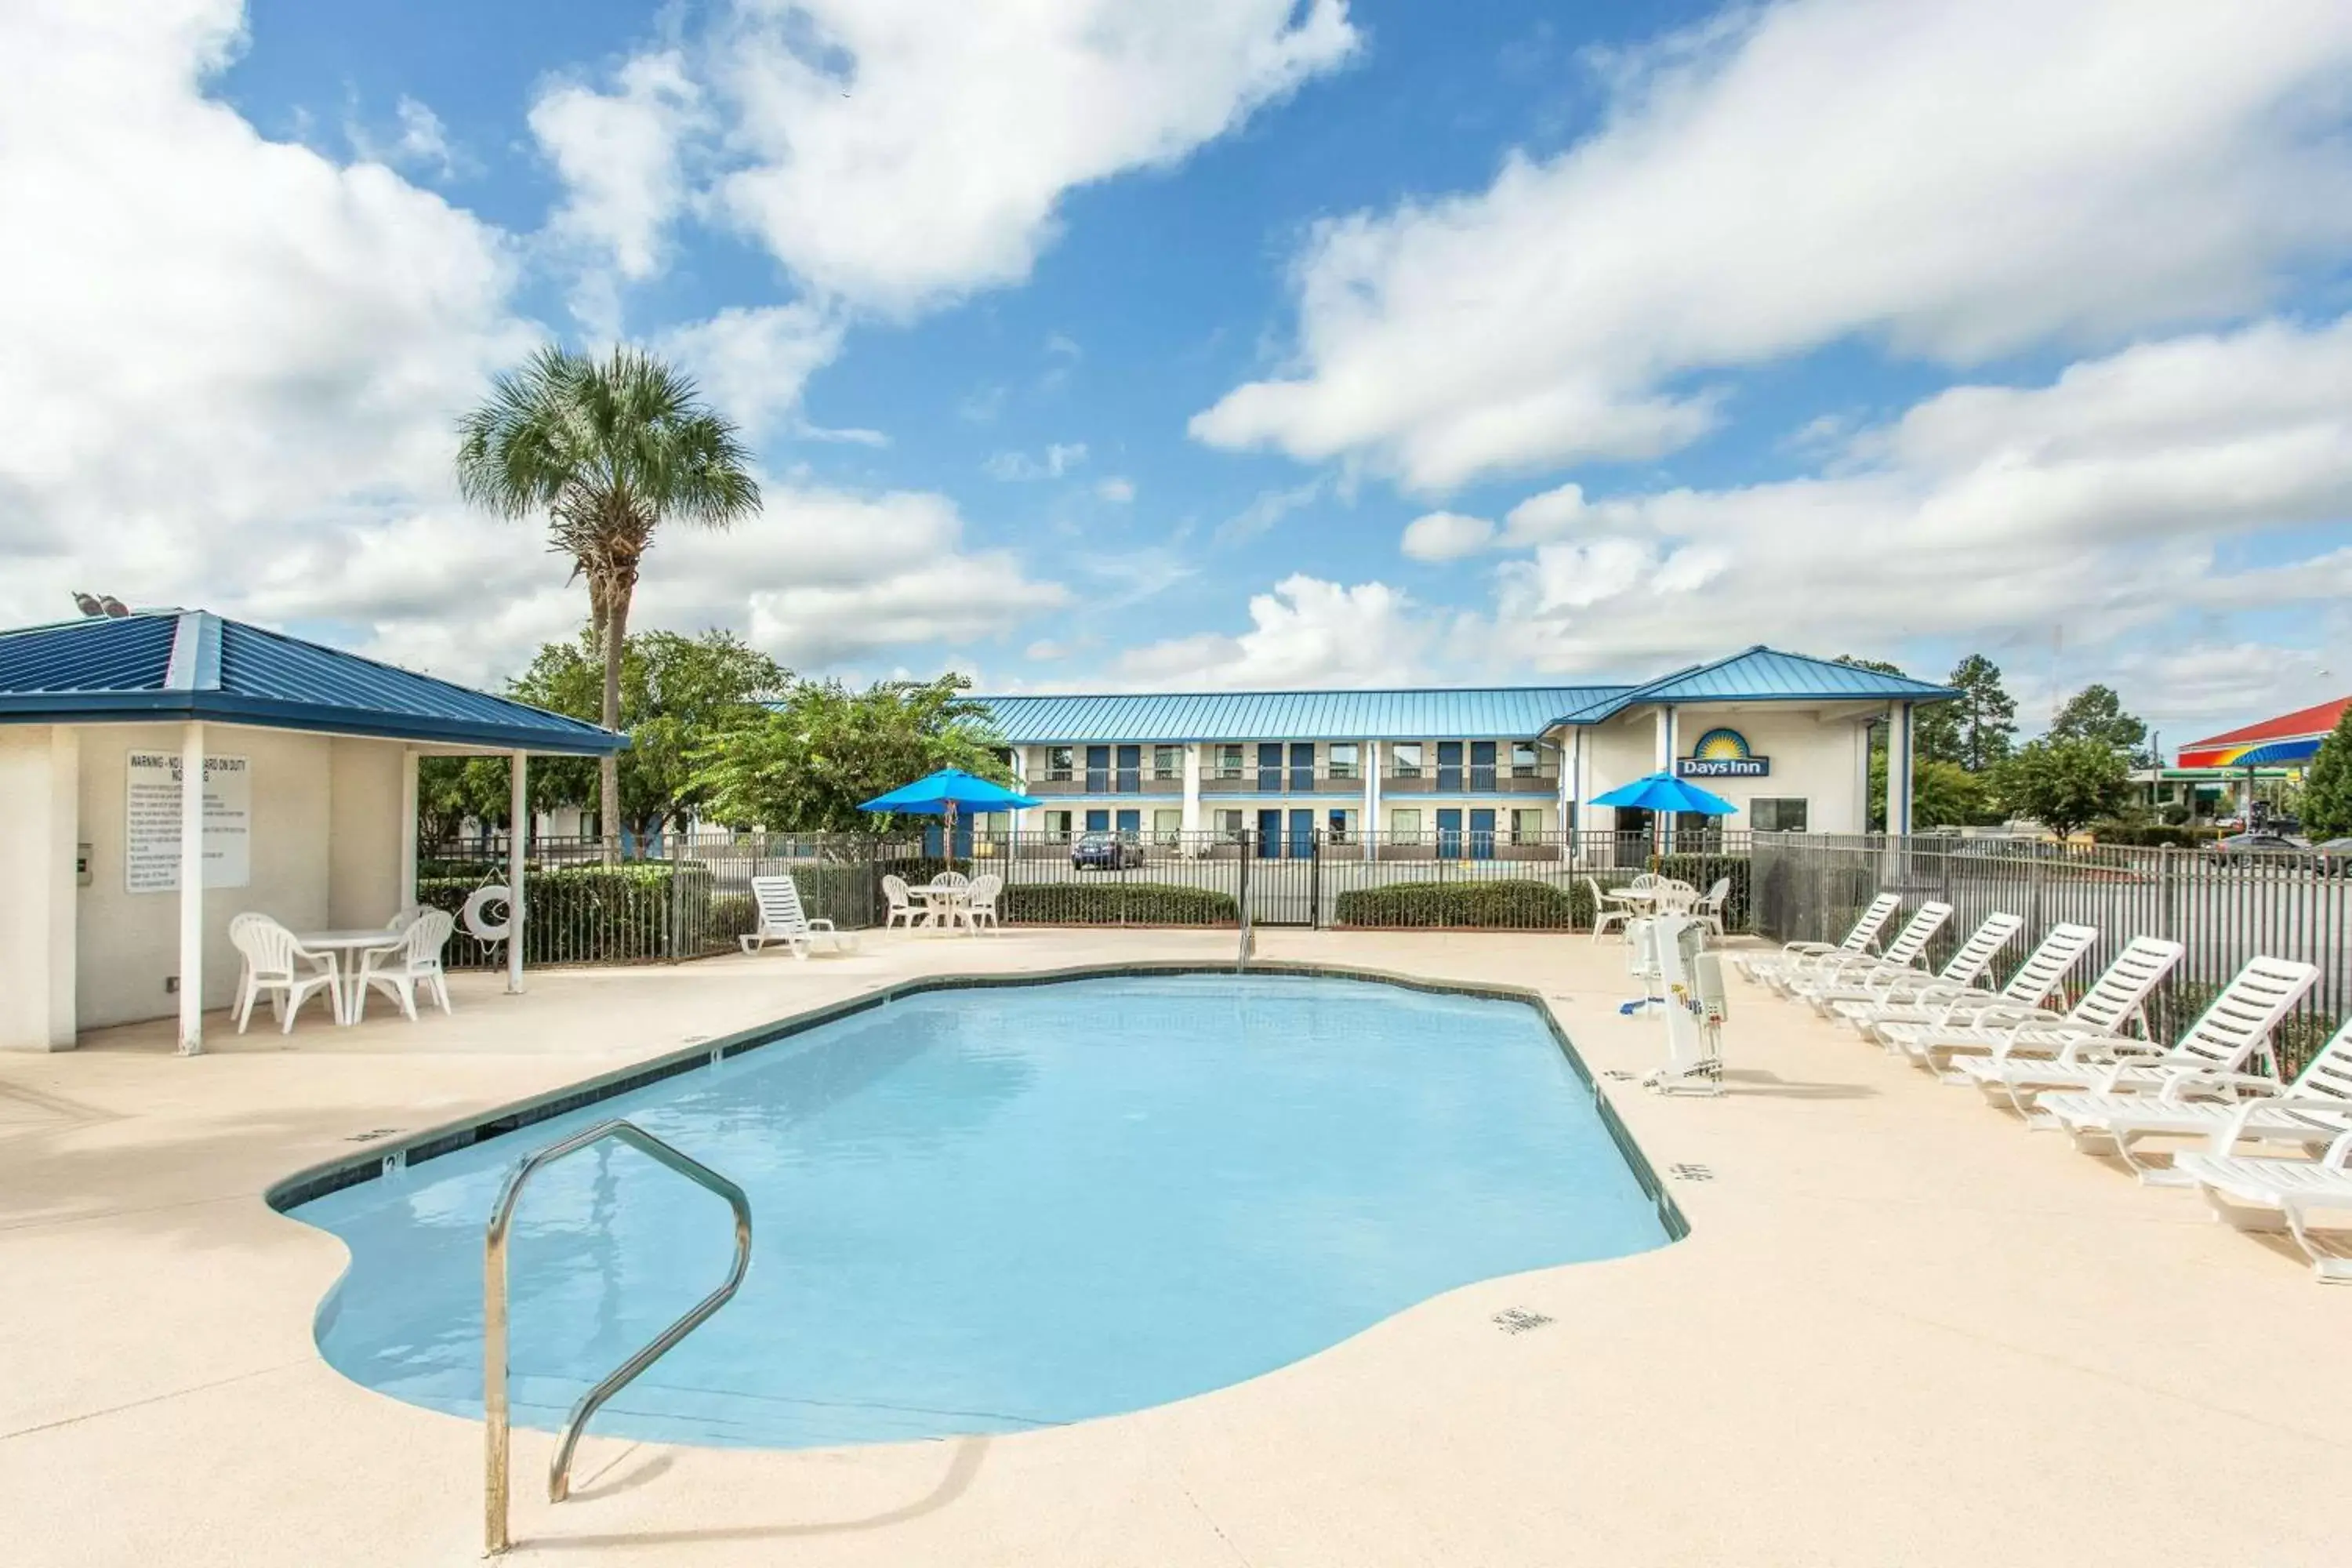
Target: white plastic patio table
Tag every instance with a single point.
(350, 948)
(940, 903)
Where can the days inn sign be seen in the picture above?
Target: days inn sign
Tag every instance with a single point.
(1722, 755)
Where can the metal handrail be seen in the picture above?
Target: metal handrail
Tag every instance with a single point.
(494, 1314)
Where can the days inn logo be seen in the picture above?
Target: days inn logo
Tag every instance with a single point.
(1722, 755)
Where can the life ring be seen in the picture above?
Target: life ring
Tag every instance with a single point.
(477, 924)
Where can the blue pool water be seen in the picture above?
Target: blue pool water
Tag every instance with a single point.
(990, 1209)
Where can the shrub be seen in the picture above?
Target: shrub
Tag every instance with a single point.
(1115, 903)
(593, 914)
(1521, 904)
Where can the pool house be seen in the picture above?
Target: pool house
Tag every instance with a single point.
(165, 771)
(1472, 771)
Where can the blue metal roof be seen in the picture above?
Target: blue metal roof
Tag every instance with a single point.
(1512, 713)
(173, 665)
(1760, 673)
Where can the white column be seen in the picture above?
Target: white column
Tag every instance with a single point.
(408, 827)
(1372, 834)
(1664, 822)
(518, 851)
(40, 779)
(1192, 819)
(192, 889)
(1898, 768)
(1862, 777)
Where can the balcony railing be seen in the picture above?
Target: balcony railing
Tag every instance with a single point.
(1283, 781)
(1476, 778)
(1104, 780)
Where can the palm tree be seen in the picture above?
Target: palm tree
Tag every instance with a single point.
(609, 449)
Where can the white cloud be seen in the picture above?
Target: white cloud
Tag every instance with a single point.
(1267, 508)
(1057, 459)
(899, 153)
(1446, 536)
(1957, 178)
(2081, 510)
(1306, 632)
(619, 154)
(824, 576)
(752, 363)
(1115, 490)
(421, 141)
(222, 348)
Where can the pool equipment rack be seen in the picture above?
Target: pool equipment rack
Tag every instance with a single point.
(1687, 983)
(496, 1448)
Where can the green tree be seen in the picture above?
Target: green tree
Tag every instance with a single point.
(808, 763)
(2327, 787)
(609, 449)
(2063, 783)
(2097, 713)
(1943, 795)
(678, 695)
(1984, 720)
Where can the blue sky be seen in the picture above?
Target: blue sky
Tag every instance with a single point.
(1226, 342)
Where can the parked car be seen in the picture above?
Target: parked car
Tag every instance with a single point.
(2257, 844)
(1105, 852)
(2334, 856)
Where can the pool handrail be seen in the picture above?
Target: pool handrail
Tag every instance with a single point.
(494, 1313)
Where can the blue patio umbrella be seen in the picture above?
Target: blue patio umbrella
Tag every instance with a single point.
(944, 794)
(1664, 792)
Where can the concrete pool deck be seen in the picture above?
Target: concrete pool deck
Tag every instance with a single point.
(1903, 1329)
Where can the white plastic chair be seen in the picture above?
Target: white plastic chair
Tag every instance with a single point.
(1606, 906)
(1968, 963)
(2292, 1188)
(2116, 1000)
(1708, 907)
(979, 903)
(1761, 967)
(1908, 951)
(782, 921)
(276, 965)
(952, 880)
(1937, 1002)
(401, 970)
(902, 910)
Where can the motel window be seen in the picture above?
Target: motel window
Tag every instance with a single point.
(1777, 816)
(1058, 823)
(1526, 824)
(1523, 759)
(1168, 762)
(1408, 766)
(1228, 762)
(1404, 827)
(1341, 762)
(1229, 827)
(1167, 827)
(1061, 762)
(1337, 826)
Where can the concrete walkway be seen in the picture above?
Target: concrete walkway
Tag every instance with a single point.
(1902, 1331)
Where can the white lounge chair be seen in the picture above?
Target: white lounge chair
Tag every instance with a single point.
(1907, 951)
(977, 906)
(2293, 1189)
(2115, 1002)
(1938, 1003)
(1861, 938)
(2223, 1108)
(398, 972)
(1965, 968)
(784, 922)
(279, 967)
(2235, 1026)
(902, 907)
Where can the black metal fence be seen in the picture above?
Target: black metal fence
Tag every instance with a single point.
(2224, 907)
(687, 896)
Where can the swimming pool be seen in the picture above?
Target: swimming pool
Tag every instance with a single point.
(986, 1209)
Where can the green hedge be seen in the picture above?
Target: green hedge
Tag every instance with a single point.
(599, 914)
(2153, 836)
(1116, 903)
(1518, 904)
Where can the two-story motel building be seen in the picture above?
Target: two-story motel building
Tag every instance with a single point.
(1786, 737)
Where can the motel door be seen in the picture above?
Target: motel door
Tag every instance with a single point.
(1098, 822)
(1302, 835)
(1098, 773)
(1130, 770)
(1482, 765)
(1302, 768)
(1270, 835)
(1449, 772)
(1269, 773)
(1449, 821)
(1481, 834)
(1130, 825)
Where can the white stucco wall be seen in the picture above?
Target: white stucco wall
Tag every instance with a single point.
(325, 851)
(38, 769)
(1814, 758)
